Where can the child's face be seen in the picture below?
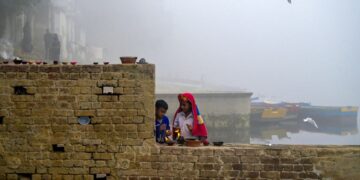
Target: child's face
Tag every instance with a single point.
(160, 112)
(186, 107)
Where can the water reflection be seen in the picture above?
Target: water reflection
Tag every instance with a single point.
(284, 124)
(331, 130)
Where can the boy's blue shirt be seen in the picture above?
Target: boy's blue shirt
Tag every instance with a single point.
(160, 135)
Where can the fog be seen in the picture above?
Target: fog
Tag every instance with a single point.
(291, 51)
(305, 51)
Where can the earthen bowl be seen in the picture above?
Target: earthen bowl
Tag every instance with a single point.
(55, 62)
(38, 62)
(218, 143)
(17, 61)
(193, 143)
(128, 60)
(95, 63)
(106, 63)
(73, 62)
(64, 63)
(24, 62)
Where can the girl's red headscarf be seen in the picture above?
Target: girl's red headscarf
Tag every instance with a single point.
(199, 128)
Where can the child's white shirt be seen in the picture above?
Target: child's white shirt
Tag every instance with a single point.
(181, 122)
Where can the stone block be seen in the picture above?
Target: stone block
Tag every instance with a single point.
(103, 156)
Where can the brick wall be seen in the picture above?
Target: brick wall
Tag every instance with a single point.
(256, 162)
(41, 139)
(38, 123)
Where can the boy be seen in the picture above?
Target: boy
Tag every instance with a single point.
(188, 119)
(161, 121)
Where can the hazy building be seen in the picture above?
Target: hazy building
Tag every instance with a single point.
(59, 17)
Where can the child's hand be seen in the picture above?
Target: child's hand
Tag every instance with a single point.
(168, 132)
(189, 127)
(163, 127)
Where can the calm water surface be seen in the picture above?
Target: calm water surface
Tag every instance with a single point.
(303, 133)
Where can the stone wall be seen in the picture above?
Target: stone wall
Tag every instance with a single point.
(255, 162)
(41, 139)
(39, 131)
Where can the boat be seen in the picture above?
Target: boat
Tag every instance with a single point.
(269, 112)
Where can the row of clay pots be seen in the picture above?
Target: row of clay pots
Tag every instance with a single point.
(124, 60)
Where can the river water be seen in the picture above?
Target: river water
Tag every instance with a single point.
(304, 133)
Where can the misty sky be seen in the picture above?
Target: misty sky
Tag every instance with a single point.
(307, 51)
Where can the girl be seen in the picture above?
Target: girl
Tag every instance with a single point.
(188, 119)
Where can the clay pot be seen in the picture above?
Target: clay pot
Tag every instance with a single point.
(64, 63)
(95, 63)
(128, 60)
(24, 62)
(193, 143)
(219, 143)
(17, 61)
(106, 63)
(38, 62)
(56, 62)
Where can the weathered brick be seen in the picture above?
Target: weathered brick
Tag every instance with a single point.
(224, 152)
(70, 69)
(133, 120)
(287, 161)
(187, 158)
(298, 167)
(250, 174)
(100, 170)
(204, 152)
(14, 68)
(104, 156)
(229, 174)
(12, 176)
(88, 177)
(270, 160)
(36, 177)
(288, 175)
(311, 175)
(209, 173)
(58, 170)
(229, 159)
(249, 159)
(90, 113)
(270, 174)
(108, 98)
(75, 170)
(207, 166)
(68, 177)
(67, 98)
(252, 167)
(91, 69)
(283, 167)
(66, 83)
(103, 127)
(49, 69)
(82, 156)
